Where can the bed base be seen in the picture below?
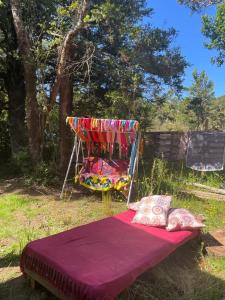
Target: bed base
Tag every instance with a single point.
(36, 280)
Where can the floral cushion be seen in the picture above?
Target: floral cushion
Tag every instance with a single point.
(104, 183)
(104, 174)
(153, 211)
(134, 206)
(182, 219)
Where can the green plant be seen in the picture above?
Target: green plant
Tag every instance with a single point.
(22, 161)
(159, 180)
(107, 202)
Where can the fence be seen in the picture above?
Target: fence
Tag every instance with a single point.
(170, 146)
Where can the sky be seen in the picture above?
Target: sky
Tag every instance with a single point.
(168, 13)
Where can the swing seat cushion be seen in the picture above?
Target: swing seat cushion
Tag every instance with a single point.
(104, 174)
(99, 260)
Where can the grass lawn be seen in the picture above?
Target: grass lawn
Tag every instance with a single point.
(187, 274)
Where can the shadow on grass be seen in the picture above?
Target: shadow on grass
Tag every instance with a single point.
(9, 260)
(19, 289)
(186, 196)
(179, 277)
(73, 191)
(17, 185)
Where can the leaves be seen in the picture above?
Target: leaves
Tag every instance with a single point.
(214, 29)
(196, 5)
(68, 11)
(201, 97)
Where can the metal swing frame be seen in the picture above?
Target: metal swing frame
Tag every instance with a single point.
(77, 148)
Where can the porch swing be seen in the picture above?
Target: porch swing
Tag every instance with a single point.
(109, 150)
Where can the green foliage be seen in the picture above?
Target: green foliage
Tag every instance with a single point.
(43, 175)
(188, 114)
(68, 10)
(4, 129)
(217, 114)
(159, 178)
(214, 29)
(200, 99)
(199, 4)
(173, 178)
(170, 114)
(130, 63)
(123, 107)
(22, 162)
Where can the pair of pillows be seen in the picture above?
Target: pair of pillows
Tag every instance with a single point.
(155, 211)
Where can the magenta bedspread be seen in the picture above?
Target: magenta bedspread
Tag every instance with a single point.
(99, 260)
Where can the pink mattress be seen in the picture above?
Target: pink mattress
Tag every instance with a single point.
(99, 260)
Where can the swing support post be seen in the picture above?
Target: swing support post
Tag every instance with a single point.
(135, 166)
(69, 165)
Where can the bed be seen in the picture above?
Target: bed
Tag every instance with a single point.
(99, 260)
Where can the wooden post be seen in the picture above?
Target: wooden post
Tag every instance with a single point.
(33, 283)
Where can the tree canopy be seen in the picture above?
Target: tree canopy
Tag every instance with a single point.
(214, 29)
(201, 95)
(197, 5)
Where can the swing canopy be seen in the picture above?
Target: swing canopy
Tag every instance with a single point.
(106, 138)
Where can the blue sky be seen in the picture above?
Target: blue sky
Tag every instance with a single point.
(168, 13)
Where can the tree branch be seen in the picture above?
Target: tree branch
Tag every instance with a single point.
(65, 53)
(22, 38)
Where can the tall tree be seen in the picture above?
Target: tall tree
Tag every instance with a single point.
(12, 74)
(33, 114)
(63, 84)
(201, 95)
(131, 62)
(217, 114)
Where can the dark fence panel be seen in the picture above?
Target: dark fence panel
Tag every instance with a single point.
(170, 146)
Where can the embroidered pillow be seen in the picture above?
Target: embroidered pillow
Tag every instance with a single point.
(182, 219)
(153, 211)
(134, 206)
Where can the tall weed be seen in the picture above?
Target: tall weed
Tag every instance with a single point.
(160, 179)
(163, 177)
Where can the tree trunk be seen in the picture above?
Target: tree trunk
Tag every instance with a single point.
(33, 116)
(65, 53)
(64, 86)
(65, 135)
(14, 83)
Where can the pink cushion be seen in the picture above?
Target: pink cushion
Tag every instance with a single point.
(153, 211)
(100, 166)
(182, 219)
